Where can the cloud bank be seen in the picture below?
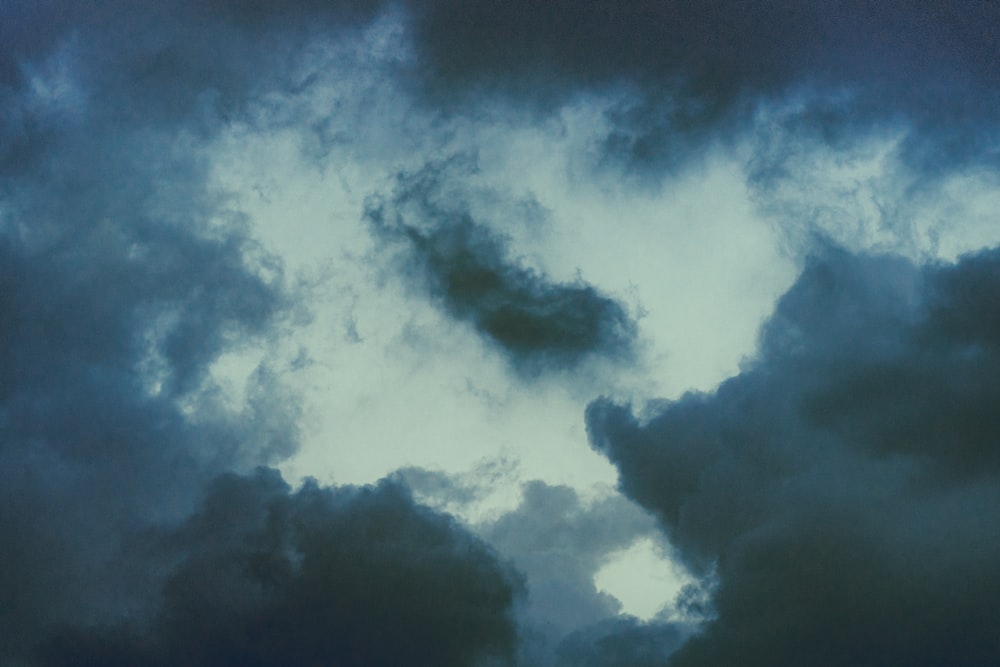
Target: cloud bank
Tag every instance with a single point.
(695, 74)
(120, 283)
(262, 576)
(840, 491)
(837, 498)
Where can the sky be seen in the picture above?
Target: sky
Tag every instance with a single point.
(481, 333)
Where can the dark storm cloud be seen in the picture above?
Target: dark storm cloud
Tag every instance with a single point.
(112, 307)
(842, 489)
(207, 44)
(123, 278)
(468, 269)
(261, 576)
(188, 66)
(695, 72)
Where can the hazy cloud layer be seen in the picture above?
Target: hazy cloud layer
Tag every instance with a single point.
(681, 76)
(467, 267)
(842, 489)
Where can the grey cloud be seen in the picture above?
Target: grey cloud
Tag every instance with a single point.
(457, 492)
(186, 66)
(560, 543)
(111, 310)
(123, 279)
(843, 487)
(468, 269)
(347, 576)
(687, 75)
(698, 72)
(621, 641)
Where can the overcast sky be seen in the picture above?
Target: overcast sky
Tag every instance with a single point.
(499, 332)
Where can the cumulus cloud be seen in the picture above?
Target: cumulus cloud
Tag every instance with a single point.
(837, 497)
(841, 489)
(113, 305)
(348, 576)
(124, 279)
(467, 267)
(560, 542)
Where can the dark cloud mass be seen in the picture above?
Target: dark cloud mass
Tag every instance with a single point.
(111, 311)
(843, 488)
(261, 576)
(697, 71)
(838, 498)
(560, 542)
(123, 278)
(469, 270)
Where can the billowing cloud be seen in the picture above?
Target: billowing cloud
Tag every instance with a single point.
(467, 267)
(113, 306)
(837, 498)
(125, 281)
(841, 490)
(679, 77)
(560, 542)
(695, 72)
(262, 576)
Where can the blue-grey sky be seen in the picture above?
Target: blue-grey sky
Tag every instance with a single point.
(480, 332)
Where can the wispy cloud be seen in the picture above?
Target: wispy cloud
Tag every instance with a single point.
(467, 267)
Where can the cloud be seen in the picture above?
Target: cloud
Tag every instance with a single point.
(691, 74)
(113, 306)
(188, 67)
(350, 576)
(837, 496)
(840, 489)
(676, 78)
(468, 269)
(560, 542)
(125, 279)
(621, 641)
